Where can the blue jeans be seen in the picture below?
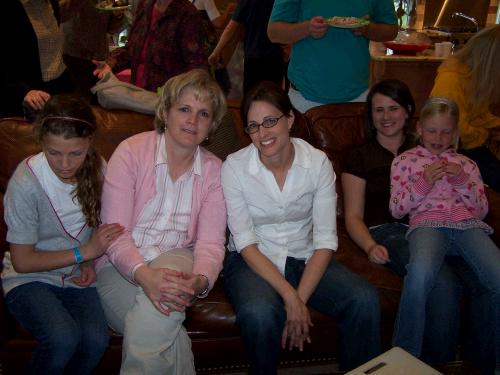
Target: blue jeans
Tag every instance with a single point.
(261, 316)
(428, 248)
(68, 323)
(442, 312)
(442, 323)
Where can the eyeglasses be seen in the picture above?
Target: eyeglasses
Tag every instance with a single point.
(267, 123)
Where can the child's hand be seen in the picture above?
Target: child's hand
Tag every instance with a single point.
(100, 240)
(87, 275)
(435, 171)
(453, 169)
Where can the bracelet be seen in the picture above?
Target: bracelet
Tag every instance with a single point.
(204, 291)
(77, 255)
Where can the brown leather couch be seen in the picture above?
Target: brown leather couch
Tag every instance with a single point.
(211, 323)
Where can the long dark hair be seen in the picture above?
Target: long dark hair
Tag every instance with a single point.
(397, 91)
(71, 117)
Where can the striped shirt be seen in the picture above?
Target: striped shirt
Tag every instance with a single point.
(163, 223)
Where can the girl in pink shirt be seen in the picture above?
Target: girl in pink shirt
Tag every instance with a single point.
(443, 193)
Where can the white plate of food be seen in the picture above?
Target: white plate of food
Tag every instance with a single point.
(346, 22)
(111, 6)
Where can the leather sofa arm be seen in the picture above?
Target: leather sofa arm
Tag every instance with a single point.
(493, 217)
(4, 319)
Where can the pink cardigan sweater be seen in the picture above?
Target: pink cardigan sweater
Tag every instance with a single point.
(451, 199)
(130, 183)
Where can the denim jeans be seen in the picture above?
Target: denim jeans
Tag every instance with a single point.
(68, 323)
(260, 312)
(428, 248)
(442, 312)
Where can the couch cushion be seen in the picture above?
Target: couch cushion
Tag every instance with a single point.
(336, 129)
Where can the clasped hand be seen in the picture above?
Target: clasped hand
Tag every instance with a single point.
(298, 321)
(439, 169)
(168, 290)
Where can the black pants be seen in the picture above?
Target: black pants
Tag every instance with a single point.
(488, 164)
(269, 68)
(81, 74)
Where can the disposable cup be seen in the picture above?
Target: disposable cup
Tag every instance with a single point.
(446, 48)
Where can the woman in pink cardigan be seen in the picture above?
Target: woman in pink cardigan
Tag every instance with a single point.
(165, 190)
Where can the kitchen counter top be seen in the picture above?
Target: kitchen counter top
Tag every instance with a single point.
(380, 53)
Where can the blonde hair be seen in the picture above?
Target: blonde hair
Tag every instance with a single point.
(441, 105)
(481, 54)
(71, 117)
(205, 88)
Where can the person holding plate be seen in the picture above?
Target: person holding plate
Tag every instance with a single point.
(329, 62)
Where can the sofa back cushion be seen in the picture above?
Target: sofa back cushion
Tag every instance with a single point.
(336, 129)
(17, 142)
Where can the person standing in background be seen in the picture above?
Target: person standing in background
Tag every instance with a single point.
(32, 67)
(166, 39)
(213, 21)
(472, 79)
(329, 65)
(263, 58)
(86, 39)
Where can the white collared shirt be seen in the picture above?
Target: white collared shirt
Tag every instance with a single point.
(163, 222)
(289, 223)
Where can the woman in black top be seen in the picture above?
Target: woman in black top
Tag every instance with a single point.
(366, 188)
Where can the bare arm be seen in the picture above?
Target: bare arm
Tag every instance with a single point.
(354, 206)
(26, 258)
(221, 21)
(263, 267)
(231, 31)
(313, 273)
(289, 33)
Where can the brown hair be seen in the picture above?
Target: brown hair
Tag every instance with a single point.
(71, 117)
(269, 92)
(205, 88)
(396, 90)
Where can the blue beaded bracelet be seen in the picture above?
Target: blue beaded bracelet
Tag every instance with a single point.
(78, 255)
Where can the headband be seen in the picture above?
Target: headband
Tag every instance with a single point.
(67, 118)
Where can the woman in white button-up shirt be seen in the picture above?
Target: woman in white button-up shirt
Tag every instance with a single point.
(281, 202)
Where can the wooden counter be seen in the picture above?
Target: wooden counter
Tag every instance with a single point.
(418, 72)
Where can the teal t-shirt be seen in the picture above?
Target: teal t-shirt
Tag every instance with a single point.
(335, 68)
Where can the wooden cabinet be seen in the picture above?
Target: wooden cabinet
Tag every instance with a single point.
(418, 72)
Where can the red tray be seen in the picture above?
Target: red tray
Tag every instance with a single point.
(405, 48)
